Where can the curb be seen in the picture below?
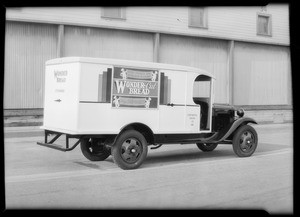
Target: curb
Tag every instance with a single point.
(22, 124)
(24, 128)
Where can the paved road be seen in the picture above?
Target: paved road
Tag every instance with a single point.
(173, 176)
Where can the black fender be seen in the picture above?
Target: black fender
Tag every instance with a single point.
(237, 123)
(140, 127)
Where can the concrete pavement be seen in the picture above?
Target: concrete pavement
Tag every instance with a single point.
(172, 177)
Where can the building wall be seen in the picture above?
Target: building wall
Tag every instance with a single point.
(108, 43)
(262, 75)
(231, 23)
(27, 47)
(250, 70)
(207, 54)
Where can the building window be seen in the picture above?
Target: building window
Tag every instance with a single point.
(264, 24)
(198, 17)
(113, 12)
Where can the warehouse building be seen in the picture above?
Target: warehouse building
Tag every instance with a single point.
(246, 48)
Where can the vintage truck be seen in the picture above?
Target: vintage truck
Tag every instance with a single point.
(120, 107)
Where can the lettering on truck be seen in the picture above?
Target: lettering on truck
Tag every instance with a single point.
(135, 88)
(60, 76)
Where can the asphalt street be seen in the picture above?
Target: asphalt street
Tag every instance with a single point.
(172, 177)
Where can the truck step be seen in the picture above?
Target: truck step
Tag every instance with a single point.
(53, 146)
(59, 147)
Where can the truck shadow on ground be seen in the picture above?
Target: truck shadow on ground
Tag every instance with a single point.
(156, 159)
(185, 155)
(189, 155)
(89, 165)
(164, 158)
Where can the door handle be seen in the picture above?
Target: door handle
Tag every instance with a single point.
(170, 104)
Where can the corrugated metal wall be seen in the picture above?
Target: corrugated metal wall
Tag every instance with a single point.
(108, 43)
(261, 72)
(207, 54)
(27, 47)
(262, 75)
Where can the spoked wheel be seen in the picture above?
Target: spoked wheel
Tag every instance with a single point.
(94, 149)
(244, 141)
(130, 150)
(206, 147)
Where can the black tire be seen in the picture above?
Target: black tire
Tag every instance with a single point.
(94, 149)
(206, 147)
(244, 141)
(130, 150)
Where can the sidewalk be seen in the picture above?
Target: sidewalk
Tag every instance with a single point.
(273, 125)
(38, 128)
(23, 121)
(22, 129)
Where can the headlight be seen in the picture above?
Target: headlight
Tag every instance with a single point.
(240, 112)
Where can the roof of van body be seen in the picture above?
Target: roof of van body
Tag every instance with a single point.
(129, 63)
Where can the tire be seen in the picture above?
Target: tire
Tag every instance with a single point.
(207, 147)
(244, 141)
(94, 149)
(130, 150)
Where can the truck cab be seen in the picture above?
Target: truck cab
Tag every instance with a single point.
(120, 108)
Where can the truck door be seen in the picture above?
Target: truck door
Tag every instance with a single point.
(61, 95)
(172, 101)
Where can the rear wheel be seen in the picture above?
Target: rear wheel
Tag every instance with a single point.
(206, 147)
(130, 150)
(244, 141)
(94, 149)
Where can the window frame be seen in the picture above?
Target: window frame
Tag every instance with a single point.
(123, 13)
(269, 17)
(205, 23)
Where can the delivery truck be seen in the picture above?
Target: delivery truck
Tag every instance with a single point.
(122, 107)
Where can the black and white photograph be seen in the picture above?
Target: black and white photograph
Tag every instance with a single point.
(148, 108)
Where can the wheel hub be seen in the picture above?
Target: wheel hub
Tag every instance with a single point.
(246, 141)
(131, 150)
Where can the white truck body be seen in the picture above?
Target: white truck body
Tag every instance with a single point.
(101, 96)
(119, 108)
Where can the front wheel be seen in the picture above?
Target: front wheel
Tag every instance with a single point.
(130, 150)
(206, 147)
(244, 141)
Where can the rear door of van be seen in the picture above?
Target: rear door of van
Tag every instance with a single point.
(61, 96)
